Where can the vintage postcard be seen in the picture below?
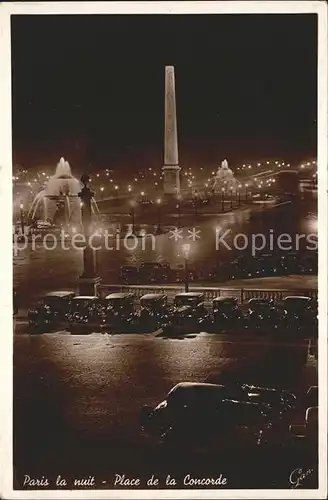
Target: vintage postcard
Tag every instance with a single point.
(164, 267)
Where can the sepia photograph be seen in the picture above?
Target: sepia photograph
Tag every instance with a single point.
(165, 181)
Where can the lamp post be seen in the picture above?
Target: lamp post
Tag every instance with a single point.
(142, 200)
(239, 190)
(132, 213)
(246, 186)
(88, 281)
(116, 190)
(222, 199)
(21, 206)
(195, 202)
(102, 192)
(179, 214)
(129, 195)
(158, 203)
(186, 251)
(195, 207)
(206, 189)
(231, 194)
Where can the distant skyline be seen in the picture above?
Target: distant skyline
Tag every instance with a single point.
(91, 88)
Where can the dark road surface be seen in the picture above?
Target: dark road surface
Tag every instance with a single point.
(77, 401)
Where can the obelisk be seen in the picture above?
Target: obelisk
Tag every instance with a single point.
(171, 169)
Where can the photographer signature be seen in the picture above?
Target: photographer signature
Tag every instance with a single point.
(298, 476)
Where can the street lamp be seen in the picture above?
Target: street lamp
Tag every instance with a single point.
(89, 279)
(231, 193)
(129, 191)
(186, 251)
(246, 186)
(116, 190)
(142, 201)
(21, 206)
(239, 190)
(195, 201)
(132, 213)
(179, 214)
(158, 202)
(222, 199)
(102, 192)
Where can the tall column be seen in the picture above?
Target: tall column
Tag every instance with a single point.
(171, 169)
(89, 280)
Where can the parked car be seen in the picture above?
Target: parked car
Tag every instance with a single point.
(202, 415)
(52, 310)
(189, 313)
(312, 396)
(154, 272)
(300, 315)
(84, 315)
(154, 311)
(118, 311)
(44, 224)
(129, 275)
(305, 434)
(227, 314)
(262, 315)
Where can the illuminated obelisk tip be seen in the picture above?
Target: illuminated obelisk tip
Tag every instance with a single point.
(171, 169)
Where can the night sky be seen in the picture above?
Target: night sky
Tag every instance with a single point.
(91, 88)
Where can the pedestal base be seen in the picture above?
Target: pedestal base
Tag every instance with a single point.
(89, 286)
(171, 174)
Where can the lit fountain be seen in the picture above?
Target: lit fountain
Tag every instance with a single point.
(61, 188)
(224, 178)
